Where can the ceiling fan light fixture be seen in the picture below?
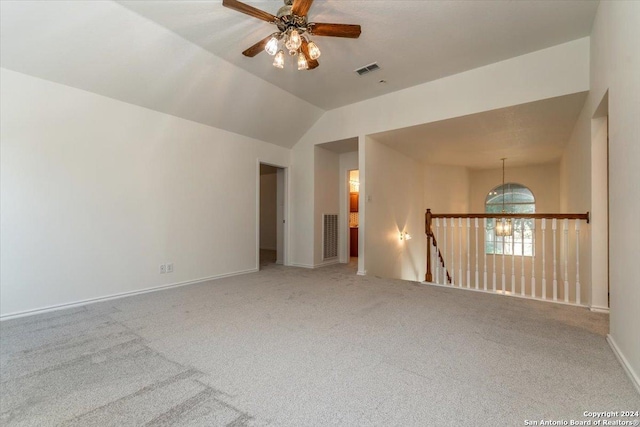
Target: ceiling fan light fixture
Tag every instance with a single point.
(302, 62)
(292, 25)
(314, 51)
(278, 61)
(272, 46)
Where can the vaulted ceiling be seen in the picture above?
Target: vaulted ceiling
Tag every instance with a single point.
(412, 41)
(184, 57)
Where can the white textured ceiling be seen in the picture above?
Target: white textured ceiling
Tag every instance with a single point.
(531, 133)
(412, 41)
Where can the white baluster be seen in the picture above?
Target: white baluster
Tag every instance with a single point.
(453, 258)
(566, 259)
(437, 248)
(444, 252)
(554, 227)
(504, 276)
(513, 259)
(522, 221)
(577, 261)
(484, 256)
(494, 255)
(533, 259)
(477, 273)
(468, 258)
(460, 276)
(543, 227)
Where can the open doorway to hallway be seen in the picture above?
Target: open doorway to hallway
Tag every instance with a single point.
(271, 240)
(353, 213)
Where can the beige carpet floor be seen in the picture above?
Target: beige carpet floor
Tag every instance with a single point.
(295, 347)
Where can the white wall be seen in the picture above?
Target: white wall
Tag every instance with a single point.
(327, 201)
(393, 203)
(446, 189)
(268, 211)
(575, 167)
(542, 180)
(96, 193)
(615, 67)
(575, 196)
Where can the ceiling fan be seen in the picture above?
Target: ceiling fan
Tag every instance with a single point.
(293, 31)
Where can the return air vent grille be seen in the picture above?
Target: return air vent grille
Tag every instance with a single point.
(367, 69)
(329, 236)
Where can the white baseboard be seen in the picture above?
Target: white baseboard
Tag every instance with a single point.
(597, 309)
(322, 264)
(506, 293)
(325, 263)
(119, 295)
(362, 273)
(293, 264)
(635, 379)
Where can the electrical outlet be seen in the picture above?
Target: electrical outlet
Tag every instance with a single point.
(163, 268)
(169, 267)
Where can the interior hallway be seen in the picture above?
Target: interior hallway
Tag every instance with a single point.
(296, 347)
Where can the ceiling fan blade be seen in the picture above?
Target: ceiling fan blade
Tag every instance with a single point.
(311, 63)
(335, 30)
(301, 7)
(257, 48)
(249, 10)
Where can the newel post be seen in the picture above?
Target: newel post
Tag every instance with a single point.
(427, 229)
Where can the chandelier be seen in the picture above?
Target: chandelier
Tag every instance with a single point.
(504, 227)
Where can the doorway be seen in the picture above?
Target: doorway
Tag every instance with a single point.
(353, 214)
(271, 216)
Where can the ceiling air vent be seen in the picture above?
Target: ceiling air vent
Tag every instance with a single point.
(367, 69)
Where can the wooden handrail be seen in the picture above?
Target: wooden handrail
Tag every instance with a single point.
(584, 216)
(429, 276)
(429, 232)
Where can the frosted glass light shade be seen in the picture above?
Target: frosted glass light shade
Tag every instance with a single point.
(278, 61)
(302, 62)
(314, 51)
(272, 46)
(295, 40)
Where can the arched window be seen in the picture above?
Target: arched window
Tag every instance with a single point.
(513, 198)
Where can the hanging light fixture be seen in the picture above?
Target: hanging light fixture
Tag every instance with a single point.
(504, 227)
